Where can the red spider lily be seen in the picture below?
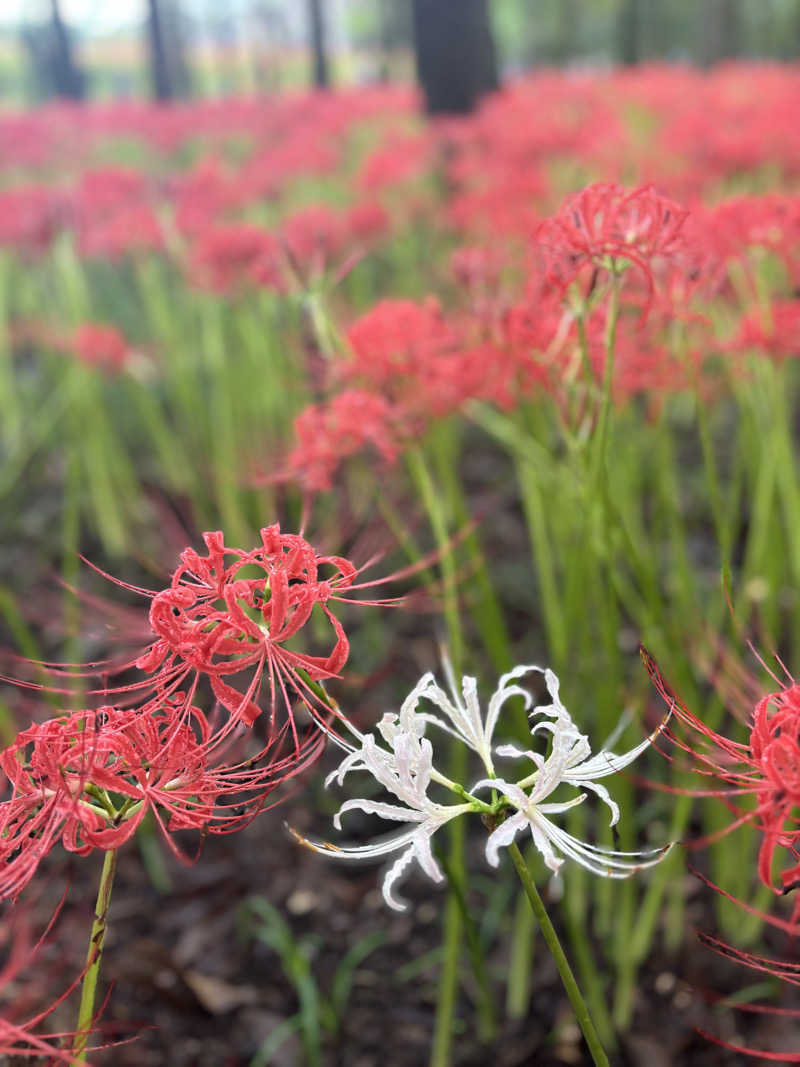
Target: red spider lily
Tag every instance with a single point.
(30, 217)
(131, 230)
(88, 778)
(102, 346)
(766, 768)
(326, 434)
(775, 330)
(395, 341)
(367, 220)
(313, 237)
(400, 160)
(746, 228)
(227, 257)
(782, 969)
(235, 611)
(606, 225)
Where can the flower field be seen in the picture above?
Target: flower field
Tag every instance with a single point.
(318, 418)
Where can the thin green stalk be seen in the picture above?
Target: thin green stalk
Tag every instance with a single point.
(433, 505)
(441, 1050)
(453, 921)
(94, 956)
(518, 989)
(565, 971)
(486, 1020)
(599, 451)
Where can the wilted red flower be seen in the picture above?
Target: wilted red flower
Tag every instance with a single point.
(605, 225)
(102, 346)
(766, 768)
(89, 777)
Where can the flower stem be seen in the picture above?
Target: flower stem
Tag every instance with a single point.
(567, 977)
(94, 956)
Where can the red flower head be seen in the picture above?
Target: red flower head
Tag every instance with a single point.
(89, 777)
(30, 217)
(775, 752)
(606, 225)
(776, 331)
(224, 257)
(101, 346)
(396, 341)
(313, 238)
(327, 434)
(767, 769)
(234, 611)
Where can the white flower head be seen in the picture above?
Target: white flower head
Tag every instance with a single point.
(399, 756)
(570, 762)
(460, 713)
(404, 767)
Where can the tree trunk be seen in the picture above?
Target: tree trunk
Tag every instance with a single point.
(628, 33)
(455, 52)
(320, 74)
(720, 31)
(67, 79)
(169, 72)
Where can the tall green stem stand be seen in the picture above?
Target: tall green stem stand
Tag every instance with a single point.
(94, 956)
(567, 977)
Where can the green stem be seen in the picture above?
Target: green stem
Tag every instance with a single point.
(567, 977)
(598, 458)
(94, 956)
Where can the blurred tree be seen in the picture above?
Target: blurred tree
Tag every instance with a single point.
(49, 48)
(720, 30)
(455, 53)
(629, 33)
(316, 25)
(567, 18)
(169, 70)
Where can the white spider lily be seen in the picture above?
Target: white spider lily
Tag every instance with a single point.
(404, 767)
(464, 719)
(401, 760)
(406, 772)
(570, 762)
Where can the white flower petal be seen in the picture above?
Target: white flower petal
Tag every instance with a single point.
(503, 836)
(422, 848)
(540, 831)
(373, 807)
(397, 869)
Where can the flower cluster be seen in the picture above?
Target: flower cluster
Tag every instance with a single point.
(605, 226)
(88, 778)
(234, 611)
(400, 758)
